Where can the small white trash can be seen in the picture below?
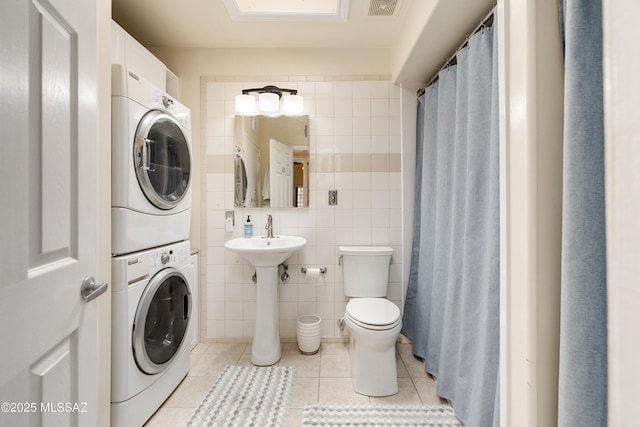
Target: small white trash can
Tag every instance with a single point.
(308, 330)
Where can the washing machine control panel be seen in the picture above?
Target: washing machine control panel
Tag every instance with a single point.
(176, 256)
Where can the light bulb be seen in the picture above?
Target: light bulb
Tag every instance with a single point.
(292, 104)
(245, 104)
(269, 102)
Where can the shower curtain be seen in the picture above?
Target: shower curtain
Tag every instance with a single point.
(451, 311)
(582, 391)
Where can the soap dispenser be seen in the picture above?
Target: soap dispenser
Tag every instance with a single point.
(248, 227)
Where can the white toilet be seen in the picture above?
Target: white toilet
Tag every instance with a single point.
(373, 321)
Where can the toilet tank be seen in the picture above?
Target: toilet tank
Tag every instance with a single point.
(366, 270)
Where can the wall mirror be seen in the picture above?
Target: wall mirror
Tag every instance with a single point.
(271, 156)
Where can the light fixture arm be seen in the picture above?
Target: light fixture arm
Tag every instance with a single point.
(270, 89)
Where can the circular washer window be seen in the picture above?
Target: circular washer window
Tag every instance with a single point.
(162, 159)
(161, 320)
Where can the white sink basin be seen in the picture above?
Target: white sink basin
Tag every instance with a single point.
(266, 252)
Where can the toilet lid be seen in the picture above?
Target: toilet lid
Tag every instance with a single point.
(373, 311)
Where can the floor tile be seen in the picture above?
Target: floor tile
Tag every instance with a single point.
(306, 365)
(400, 368)
(339, 390)
(212, 364)
(200, 348)
(294, 417)
(407, 393)
(405, 350)
(426, 388)
(227, 348)
(305, 391)
(335, 348)
(414, 365)
(335, 366)
(290, 348)
(245, 359)
(193, 359)
(190, 392)
(170, 417)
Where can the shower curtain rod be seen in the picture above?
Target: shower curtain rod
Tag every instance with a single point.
(484, 22)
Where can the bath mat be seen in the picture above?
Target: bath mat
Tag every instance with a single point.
(378, 415)
(246, 396)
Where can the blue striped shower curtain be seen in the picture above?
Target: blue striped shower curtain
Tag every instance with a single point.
(451, 311)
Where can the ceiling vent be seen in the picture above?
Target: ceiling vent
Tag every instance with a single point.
(383, 7)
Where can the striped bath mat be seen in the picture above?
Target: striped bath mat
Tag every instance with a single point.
(245, 396)
(378, 415)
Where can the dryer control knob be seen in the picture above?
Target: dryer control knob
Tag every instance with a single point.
(166, 101)
(164, 258)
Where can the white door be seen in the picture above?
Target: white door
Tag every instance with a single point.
(280, 174)
(48, 213)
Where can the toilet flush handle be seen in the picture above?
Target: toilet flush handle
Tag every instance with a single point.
(340, 260)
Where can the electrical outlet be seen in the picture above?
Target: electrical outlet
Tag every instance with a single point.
(333, 197)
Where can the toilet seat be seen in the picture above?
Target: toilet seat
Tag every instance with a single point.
(377, 314)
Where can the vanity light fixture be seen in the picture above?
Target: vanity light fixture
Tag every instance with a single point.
(269, 101)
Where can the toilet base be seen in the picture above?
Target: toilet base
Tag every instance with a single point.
(367, 376)
(373, 360)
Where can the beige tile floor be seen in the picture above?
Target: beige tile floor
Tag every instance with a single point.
(323, 377)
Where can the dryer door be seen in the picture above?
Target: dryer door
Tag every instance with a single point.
(161, 320)
(162, 159)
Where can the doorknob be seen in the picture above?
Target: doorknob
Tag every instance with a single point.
(90, 289)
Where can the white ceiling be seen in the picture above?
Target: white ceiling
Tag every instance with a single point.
(419, 38)
(206, 23)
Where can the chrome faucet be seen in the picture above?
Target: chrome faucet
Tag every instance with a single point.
(269, 226)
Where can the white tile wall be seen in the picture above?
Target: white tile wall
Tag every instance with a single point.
(350, 120)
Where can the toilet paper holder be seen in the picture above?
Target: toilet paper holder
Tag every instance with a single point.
(303, 270)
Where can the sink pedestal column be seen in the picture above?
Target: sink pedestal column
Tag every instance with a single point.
(266, 254)
(266, 348)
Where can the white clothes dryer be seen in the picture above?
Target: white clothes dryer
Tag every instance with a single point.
(151, 165)
(150, 330)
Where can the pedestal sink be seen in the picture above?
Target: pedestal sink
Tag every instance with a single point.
(266, 254)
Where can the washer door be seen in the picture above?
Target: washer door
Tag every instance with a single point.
(161, 320)
(162, 159)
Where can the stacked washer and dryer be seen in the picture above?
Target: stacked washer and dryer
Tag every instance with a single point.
(152, 268)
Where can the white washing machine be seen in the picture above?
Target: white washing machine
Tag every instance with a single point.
(150, 330)
(151, 165)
